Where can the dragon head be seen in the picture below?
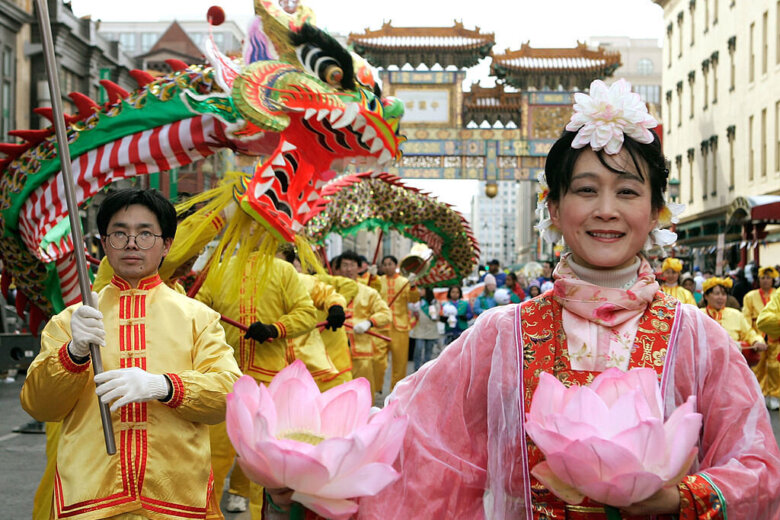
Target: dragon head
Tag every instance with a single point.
(323, 101)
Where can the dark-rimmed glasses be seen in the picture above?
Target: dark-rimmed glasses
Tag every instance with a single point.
(143, 240)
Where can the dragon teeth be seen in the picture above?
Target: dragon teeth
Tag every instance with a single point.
(322, 113)
(385, 158)
(278, 160)
(268, 172)
(335, 114)
(288, 147)
(368, 134)
(309, 112)
(350, 112)
(261, 188)
(303, 209)
(359, 123)
(377, 145)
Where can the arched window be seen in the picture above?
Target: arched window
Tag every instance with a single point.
(644, 66)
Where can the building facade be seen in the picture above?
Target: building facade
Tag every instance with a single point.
(721, 66)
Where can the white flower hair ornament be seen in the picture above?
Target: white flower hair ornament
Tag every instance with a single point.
(602, 120)
(604, 117)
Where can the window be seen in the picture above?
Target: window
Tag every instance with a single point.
(670, 27)
(777, 137)
(127, 41)
(6, 93)
(644, 66)
(751, 152)
(705, 68)
(764, 41)
(715, 11)
(678, 164)
(752, 63)
(649, 93)
(705, 151)
(691, 155)
(714, 151)
(732, 68)
(777, 30)
(669, 111)
(730, 135)
(680, 32)
(691, 82)
(706, 16)
(148, 40)
(692, 8)
(714, 67)
(763, 142)
(679, 103)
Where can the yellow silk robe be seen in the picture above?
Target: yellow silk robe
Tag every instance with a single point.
(324, 297)
(735, 324)
(367, 305)
(285, 303)
(767, 321)
(391, 285)
(753, 304)
(681, 293)
(158, 444)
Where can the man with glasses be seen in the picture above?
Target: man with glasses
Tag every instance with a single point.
(167, 371)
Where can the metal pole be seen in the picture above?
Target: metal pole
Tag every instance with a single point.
(70, 197)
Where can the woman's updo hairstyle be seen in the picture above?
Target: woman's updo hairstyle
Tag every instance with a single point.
(560, 164)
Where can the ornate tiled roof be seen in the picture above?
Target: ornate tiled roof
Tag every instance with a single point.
(491, 104)
(570, 67)
(417, 45)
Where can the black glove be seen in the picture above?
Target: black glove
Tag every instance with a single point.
(443, 318)
(335, 317)
(261, 332)
(461, 316)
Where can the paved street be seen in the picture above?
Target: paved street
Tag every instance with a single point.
(22, 457)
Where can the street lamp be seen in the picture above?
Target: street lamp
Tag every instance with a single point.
(674, 189)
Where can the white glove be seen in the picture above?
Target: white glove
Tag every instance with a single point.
(372, 270)
(130, 385)
(433, 313)
(452, 321)
(362, 327)
(412, 278)
(86, 326)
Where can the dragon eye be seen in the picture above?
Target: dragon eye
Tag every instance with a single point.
(333, 75)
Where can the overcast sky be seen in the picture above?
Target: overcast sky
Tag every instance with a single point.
(545, 23)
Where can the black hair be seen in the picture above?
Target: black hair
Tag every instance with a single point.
(428, 295)
(152, 200)
(350, 255)
(531, 287)
(288, 251)
(363, 259)
(391, 257)
(449, 291)
(494, 262)
(512, 275)
(560, 164)
(335, 262)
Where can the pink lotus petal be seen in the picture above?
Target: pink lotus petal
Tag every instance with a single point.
(613, 382)
(327, 508)
(547, 440)
(549, 395)
(305, 415)
(624, 489)
(368, 480)
(345, 407)
(586, 406)
(646, 440)
(559, 488)
(256, 467)
(596, 456)
(298, 372)
(296, 470)
(571, 428)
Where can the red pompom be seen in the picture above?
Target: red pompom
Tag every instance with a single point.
(215, 15)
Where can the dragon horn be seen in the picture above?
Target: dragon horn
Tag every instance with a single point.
(31, 136)
(85, 104)
(113, 91)
(141, 77)
(176, 65)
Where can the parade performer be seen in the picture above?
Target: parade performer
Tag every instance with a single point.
(367, 274)
(768, 368)
(466, 454)
(398, 291)
(330, 306)
(671, 269)
(716, 293)
(768, 322)
(369, 311)
(167, 371)
(463, 314)
(486, 300)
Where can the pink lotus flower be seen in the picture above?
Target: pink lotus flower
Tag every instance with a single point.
(608, 441)
(327, 447)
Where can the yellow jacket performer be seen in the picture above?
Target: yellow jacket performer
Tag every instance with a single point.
(167, 371)
(767, 321)
(671, 269)
(369, 311)
(398, 292)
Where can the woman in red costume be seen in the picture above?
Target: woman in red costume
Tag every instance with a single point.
(466, 455)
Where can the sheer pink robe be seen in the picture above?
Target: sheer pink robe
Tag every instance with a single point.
(464, 453)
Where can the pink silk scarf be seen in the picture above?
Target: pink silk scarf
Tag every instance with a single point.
(600, 322)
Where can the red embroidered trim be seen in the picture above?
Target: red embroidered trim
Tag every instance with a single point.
(178, 391)
(282, 329)
(698, 499)
(68, 363)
